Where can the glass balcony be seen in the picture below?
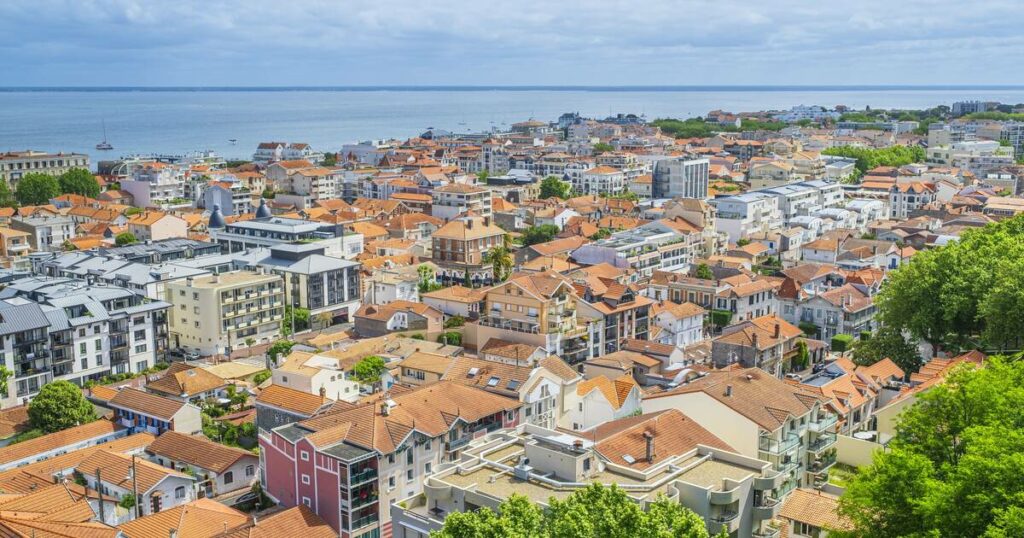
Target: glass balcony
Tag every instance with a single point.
(772, 446)
(823, 422)
(824, 441)
(364, 475)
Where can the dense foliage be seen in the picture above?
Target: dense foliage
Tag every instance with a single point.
(968, 290)
(953, 468)
(698, 128)
(37, 189)
(888, 342)
(79, 181)
(539, 234)
(552, 186)
(125, 238)
(279, 349)
(369, 369)
(58, 406)
(593, 511)
(868, 158)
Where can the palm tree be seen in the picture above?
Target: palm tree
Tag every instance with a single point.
(501, 262)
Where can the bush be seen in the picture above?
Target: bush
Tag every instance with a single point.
(809, 328)
(454, 321)
(720, 318)
(261, 377)
(451, 338)
(842, 343)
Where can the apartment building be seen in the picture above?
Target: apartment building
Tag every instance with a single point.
(763, 417)
(681, 324)
(157, 226)
(662, 245)
(600, 180)
(67, 330)
(312, 280)
(269, 231)
(156, 184)
(233, 197)
(626, 314)
(46, 231)
(15, 164)
(748, 299)
(460, 249)
(453, 200)
(746, 214)
(904, 198)
(766, 342)
(543, 310)
(217, 314)
(805, 198)
(661, 453)
(341, 465)
(680, 177)
(847, 309)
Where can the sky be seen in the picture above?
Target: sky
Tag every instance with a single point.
(525, 42)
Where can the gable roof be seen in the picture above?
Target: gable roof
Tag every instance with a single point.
(53, 441)
(197, 451)
(673, 433)
(146, 403)
(116, 469)
(186, 381)
(814, 508)
(616, 392)
(202, 518)
(290, 399)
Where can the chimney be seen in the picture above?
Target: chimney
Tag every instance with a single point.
(173, 533)
(754, 339)
(778, 329)
(469, 223)
(487, 221)
(728, 390)
(649, 438)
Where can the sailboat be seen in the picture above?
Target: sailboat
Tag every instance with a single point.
(105, 146)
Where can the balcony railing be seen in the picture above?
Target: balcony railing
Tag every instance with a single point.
(363, 501)
(363, 522)
(363, 476)
(824, 422)
(459, 443)
(772, 446)
(822, 464)
(823, 441)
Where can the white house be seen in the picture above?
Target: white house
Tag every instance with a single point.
(120, 475)
(219, 468)
(599, 400)
(681, 324)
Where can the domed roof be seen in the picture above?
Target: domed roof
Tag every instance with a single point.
(216, 218)
(263, 212)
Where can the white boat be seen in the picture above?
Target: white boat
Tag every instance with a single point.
(104, 146)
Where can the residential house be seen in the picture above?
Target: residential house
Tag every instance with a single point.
(682, 324)
(766, 342)
(188, 384)
(460, 250)
(144, 412)
(219, 469)
(398, 316)
(155, 488)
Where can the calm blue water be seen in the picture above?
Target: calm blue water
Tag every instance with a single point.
(183, 120)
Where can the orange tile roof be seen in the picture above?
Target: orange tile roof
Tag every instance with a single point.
(673, 434)
(197, 451)
(291, 400)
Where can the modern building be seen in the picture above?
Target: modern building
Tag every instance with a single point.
(681, 177)
(46, 231)
(268, 231)
(217, 314)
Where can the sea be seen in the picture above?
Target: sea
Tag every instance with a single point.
(232, 121)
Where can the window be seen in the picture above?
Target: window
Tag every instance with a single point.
(250, 470)
(304, 455)
(305, 479)
(391, 458)
(83, 347)
(306, 501)
(408, 475)
(391, 482)
(141, 348)
(81, 332)
(99, 360)
(408, 457)
(426, 446)
(426, 468)
(179, 492)
(229, 477)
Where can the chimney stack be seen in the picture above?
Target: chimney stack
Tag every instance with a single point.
(384, 409)
(728, 390)
(649, 438)
(778, 329)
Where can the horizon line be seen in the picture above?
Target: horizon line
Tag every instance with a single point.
(528, 87)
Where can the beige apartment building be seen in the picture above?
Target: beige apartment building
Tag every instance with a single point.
(215, 314)
(460, 247)
(15, 164)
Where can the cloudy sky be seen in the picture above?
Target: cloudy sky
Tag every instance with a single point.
(525, 42)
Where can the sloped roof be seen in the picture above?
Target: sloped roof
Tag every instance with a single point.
(202, 518)
(197, 451)
(814, 508)
(616, 392)
(673, 434)
(184, 380)
(291, 400)
(146, 403)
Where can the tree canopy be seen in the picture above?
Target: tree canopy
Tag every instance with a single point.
(79, 181)
(868, 158)
(888, 342)
(125, 238)
(552, 186)
(539, 234)
(58, 406)
(967, 290)
(592, 511)
(37, 189)
(953, 467)
(369, 369)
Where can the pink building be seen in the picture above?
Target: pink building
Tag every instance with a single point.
(350, 461)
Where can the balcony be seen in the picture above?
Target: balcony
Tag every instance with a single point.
(509, 325)
(364, 501)
(772, 446)
(725, 497)
(730, 521)
(766, 531)
(823, 442)
(768, 483)
(824, 422)
(459, 443)
(364, 522)
(365, 475)
(767, 508)
(822, 464)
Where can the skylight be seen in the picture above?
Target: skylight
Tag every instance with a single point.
(493, 382)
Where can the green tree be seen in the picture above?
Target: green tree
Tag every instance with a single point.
(841, 343)
(602, 147)
(595, 510)
(294, 318)
(552, 186)
(261, 376)
(279, 348)
(451, 338)
(330, 159)
(482, 176)
(428, 279)
(79, 181)
(6, 196)
(704, 272)
(539, 234)
(269, 193)
(881, 500)
(58, 406)
(802, 357)
(5, 376)
(602, 233)
(454, 321)
(501, 262)
(127, 501)
(37, 189)
(369, 370)
(889, 343)
(125, 238)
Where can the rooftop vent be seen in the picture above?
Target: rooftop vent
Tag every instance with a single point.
(472, 372)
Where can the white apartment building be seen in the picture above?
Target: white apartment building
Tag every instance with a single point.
(680, 177)
(745, 214)
(452, 200)
(601, 180)
(156, 184)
